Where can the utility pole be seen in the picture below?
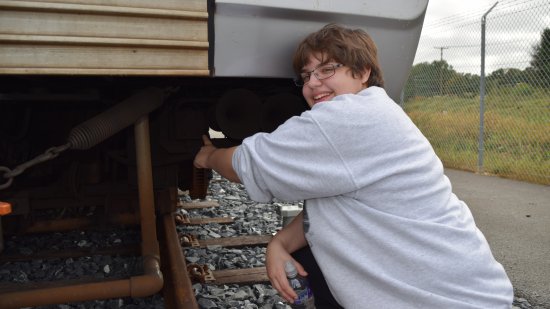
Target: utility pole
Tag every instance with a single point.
(441, 48)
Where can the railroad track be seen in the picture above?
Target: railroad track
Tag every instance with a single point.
(167, 279)
(159, 268)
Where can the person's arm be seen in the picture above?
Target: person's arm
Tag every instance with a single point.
(218, 159)
(286, 241)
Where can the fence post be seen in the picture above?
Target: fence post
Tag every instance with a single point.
(482, 93)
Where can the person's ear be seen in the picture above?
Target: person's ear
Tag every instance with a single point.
(365, 76)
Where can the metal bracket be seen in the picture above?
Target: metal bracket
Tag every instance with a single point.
(189, 240)
(200, 273)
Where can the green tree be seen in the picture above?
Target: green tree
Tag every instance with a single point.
(464, 85)
(506, 77)
(429, 79)
(541, 59)
(530, 76)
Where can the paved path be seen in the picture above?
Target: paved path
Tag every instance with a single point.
(515, 218)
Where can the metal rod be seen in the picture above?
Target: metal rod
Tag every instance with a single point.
(145, 187)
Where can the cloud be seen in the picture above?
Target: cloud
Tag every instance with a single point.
(453, 28)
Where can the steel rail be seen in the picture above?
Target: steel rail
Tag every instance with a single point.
(179, 289)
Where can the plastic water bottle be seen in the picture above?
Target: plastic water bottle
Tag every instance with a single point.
(301, 286)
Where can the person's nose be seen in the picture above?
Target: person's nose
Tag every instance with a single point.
(314, 81)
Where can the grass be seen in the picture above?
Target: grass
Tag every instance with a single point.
(516, 132)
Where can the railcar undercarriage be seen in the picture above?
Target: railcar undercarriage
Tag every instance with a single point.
(80, 153)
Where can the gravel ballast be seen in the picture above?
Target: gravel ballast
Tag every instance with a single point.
(250, 218)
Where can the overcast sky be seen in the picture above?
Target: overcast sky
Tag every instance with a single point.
(452, 31)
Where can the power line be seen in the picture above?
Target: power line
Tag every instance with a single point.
(472, 17)
(472, 14)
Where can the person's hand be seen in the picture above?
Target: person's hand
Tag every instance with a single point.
(275, 264)
(201, 159)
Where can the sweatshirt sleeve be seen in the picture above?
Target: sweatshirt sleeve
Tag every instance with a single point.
(295, 162)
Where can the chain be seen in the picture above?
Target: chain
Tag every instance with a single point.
(49, 154)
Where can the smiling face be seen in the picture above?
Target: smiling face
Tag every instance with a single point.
(342, 82)
(353, 54)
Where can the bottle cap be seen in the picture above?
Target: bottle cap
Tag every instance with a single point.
(290, 270)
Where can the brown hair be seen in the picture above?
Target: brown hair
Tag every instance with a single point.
(352, 47)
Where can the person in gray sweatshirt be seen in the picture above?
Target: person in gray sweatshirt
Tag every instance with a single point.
(384, 228)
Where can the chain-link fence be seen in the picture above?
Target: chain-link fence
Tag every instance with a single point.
(454, 102)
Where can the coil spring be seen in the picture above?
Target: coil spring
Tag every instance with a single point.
(118, 117)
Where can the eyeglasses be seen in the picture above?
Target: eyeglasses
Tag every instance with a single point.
(321, 72)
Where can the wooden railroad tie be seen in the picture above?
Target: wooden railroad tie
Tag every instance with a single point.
(201, 273)
(198, 205)
(184, 219)
(189, 240)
